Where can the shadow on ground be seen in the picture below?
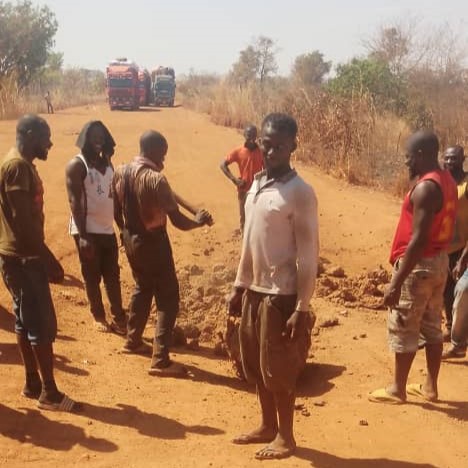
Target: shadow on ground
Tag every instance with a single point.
(326, 460)
(147, 424)
(31, 426)
(316, 379)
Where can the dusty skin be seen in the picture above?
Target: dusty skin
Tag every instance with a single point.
(133, 420)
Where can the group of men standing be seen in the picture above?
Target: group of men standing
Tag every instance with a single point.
(277, 269)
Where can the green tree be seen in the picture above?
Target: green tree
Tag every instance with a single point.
(310, 69)
(372, 77)
(256, 62)
(26, 38)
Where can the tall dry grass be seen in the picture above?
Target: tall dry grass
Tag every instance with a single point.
(347, 138)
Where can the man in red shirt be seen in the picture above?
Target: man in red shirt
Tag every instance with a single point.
(249, 159)
(420, 264)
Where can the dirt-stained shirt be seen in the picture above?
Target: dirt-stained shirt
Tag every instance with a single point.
(22, 226)
(280, 245)
(151, 191)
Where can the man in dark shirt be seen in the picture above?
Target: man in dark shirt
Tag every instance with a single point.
(23, 257)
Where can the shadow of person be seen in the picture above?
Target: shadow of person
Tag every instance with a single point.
(201, 375)
(315, 379)
(320, 459)
(31, 426)
(148, 424)
(453, 409)
(7, 320)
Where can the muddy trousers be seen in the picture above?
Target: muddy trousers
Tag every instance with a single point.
(105, 265)
(449, 291)
(153, 269)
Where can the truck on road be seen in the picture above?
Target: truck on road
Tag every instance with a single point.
(144, 87)
(122, 84)
(163, 86)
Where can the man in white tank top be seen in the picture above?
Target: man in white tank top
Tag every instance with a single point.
(89, 177)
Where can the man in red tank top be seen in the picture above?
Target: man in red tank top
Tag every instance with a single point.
(420, 265)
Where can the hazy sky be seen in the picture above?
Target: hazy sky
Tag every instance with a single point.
(208, 35)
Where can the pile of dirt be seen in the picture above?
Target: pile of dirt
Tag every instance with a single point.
(365, 290)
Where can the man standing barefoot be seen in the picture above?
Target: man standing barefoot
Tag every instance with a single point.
(420, 264)
(23, 257)
(274, 284)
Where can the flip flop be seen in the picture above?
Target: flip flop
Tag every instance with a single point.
(382, 396)
(66, 404)
(173, 370)
(142, 349)
(102, 327)
(417, 391)
(269, 453)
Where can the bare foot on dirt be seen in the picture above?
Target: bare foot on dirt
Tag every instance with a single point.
(278, 449)
(258, 436)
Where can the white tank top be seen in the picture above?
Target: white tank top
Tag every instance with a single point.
(97, 199)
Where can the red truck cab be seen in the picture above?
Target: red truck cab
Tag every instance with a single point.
(122, 85)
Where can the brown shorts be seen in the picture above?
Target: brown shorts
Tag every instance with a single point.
(418, 316)
(267, 355)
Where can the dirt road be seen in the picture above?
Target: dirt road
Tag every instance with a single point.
(133, 420)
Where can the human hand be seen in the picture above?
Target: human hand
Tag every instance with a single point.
(86, 248)
(235, 302)
(240, 183)
(294, 324)
(203, 217)
(392, 295)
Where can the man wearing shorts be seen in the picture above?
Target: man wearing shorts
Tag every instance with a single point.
(420, 264)
(23, 255)
(274, 284)
(249, 160)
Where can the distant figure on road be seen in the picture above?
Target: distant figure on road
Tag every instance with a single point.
(453, 160)
(274, 284)
(23, 258)
(89, 186)
(420, 264)
(249, 160)
(143, 200)
(48, 100)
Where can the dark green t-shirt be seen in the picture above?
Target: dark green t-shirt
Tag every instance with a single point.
(21, 222)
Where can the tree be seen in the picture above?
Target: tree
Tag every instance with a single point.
(310, 69)
(373, 77)
(26, 38)
(256, 62)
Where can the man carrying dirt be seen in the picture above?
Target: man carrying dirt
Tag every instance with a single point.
(274, 284)
(89, 179)
(249, 160)
(143, 200)
(23, 257)
(420, 264)
(453, 161)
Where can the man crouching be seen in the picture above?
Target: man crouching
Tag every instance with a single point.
(274, 284)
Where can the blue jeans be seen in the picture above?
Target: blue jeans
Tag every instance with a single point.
(460, 314)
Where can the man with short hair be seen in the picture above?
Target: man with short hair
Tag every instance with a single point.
(48, 100)
(249, 160)
(453, 160)
(420, 264)
(89, 186)
(143, 200)
(274, 284)
(23, 257)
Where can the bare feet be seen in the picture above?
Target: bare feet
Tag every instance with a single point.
(278, 449)
(261, 435)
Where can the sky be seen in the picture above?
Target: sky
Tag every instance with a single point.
(206, 36)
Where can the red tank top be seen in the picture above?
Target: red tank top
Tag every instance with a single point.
(442, 226)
